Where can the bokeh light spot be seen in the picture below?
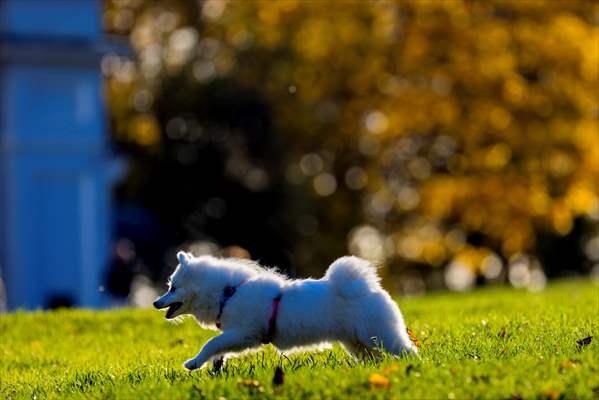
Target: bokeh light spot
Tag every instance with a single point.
(325, 184)
(376, 122)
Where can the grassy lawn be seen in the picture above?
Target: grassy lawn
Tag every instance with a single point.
(491, 343)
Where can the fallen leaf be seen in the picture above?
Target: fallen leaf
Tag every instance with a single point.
(252, 384)
(502, 332)
(478, 378)
(279, 377)
(391, 368)
(584, 342)
(412, 370)
(552, 394)
(413, 338)
(378, 380)
(567, 364)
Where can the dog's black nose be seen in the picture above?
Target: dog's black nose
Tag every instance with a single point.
(155, 304)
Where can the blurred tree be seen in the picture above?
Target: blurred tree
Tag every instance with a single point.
(433, 132)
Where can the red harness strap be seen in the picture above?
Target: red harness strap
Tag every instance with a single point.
(272, 322)
(228, 292)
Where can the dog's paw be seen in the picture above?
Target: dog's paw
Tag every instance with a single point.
(217, 365)
(190, 364)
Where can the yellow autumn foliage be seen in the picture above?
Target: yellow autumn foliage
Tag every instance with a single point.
(464, 116)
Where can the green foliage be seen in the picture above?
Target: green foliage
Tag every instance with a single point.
(492, 343)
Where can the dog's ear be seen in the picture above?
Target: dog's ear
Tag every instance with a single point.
(184, 258)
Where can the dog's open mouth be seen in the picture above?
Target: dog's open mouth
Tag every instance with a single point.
(172, 309)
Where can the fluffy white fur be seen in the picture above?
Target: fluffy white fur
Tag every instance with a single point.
(347, 305)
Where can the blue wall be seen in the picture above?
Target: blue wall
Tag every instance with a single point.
(55, 169)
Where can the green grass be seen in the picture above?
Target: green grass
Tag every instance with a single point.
(491, 343)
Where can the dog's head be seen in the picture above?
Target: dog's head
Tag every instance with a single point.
(178, 299)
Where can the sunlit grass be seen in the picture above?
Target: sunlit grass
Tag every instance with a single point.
(491, 343)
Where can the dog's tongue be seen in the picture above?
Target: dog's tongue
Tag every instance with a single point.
(172, 308)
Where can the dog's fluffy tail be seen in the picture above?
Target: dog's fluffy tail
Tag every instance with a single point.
(353, 277)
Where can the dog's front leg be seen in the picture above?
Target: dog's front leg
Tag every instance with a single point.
(225, 342)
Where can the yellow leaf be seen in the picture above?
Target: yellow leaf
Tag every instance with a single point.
(391, 368)
(379, 380)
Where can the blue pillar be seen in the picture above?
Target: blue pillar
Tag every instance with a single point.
(55, 170)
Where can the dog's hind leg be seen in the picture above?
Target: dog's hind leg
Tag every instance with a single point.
(360, 351)
(391, 341)
(224, 343)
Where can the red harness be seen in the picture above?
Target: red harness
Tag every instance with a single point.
(229, 291)
(272, 322)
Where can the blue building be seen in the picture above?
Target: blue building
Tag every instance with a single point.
(55, 168)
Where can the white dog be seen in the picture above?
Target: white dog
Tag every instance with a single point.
(254, 305)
